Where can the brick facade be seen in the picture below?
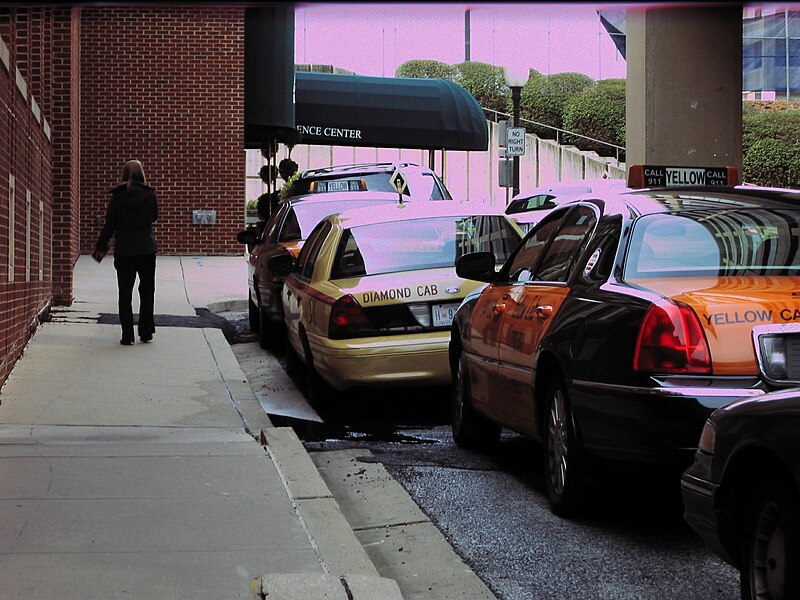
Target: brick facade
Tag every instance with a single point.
(26, 166)
(82, 90)
(166, 86)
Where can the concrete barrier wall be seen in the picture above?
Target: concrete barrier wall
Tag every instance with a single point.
(474, 175)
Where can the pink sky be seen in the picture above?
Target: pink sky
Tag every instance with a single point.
(375, 38)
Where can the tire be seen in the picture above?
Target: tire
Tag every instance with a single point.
(319, 393)
(562, 461)
(266, 331)
(470, 429)
(771, 533)
(254, 318)
(293, 364)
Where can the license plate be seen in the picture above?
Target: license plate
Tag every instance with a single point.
(443, 314)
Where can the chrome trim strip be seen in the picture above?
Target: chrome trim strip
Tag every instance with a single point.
(512, 367)
(694, 392)
(699, 489)
(478, 358)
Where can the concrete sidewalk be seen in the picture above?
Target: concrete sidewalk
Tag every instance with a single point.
(151, 471)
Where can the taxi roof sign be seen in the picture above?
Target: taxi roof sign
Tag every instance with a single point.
(647, 176)
(398, 182)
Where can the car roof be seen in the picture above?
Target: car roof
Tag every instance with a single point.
(634, 203)
(378, 167)
(410, 210)
(575, 186)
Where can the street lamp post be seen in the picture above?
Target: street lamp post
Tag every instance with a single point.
(516, 77)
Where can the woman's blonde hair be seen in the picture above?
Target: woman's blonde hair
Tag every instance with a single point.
(133, 171)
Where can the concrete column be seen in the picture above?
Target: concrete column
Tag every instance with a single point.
(684, 86)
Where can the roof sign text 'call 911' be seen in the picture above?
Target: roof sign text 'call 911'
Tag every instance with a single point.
(648, 176)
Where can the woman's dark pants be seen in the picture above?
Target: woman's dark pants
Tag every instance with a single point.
(128, 267)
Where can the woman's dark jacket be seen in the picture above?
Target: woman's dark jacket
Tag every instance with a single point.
(130, 216)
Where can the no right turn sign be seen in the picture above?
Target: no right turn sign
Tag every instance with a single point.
(515, 141)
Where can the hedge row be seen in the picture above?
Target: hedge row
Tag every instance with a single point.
(596, 109)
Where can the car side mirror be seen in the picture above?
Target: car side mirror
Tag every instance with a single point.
(248, 236)
(478, 266)
(282, 264)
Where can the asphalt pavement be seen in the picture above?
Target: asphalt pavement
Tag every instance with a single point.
(152, 471)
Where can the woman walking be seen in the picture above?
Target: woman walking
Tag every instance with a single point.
(132, 210)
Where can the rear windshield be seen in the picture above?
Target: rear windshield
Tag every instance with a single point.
(420, 244)
(423, 185)
(723, 242)
(304, 215)
(539, 201)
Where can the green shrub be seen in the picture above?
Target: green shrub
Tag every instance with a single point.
(598, 111)
(543, 99)
(484, 81)
(771, 144)
(423, 69)
(773, 163)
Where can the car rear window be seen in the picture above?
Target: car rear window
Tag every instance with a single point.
(304, 215)
(420, 244)
(422, 185)
(722, 243)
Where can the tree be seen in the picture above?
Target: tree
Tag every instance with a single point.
(484, 81)
(543, 99)
(426, 69)
(598, 111)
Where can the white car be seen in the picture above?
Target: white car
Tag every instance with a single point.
(528, 208)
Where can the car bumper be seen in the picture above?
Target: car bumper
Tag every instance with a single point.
(647, 425)
(701, 514)
(405, 360)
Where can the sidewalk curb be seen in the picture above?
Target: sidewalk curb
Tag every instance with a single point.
(347, 566)
(240, 392)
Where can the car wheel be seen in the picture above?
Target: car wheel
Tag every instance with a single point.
(266, 331)
(561, 454)
(318, 392)
(470, 428)
(769, 567)
(253, 317)
(293, 364)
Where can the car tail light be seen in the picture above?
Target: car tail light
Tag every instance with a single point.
(671, 340)
(348, 320)
(708, 438)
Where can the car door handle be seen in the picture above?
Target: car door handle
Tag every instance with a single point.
(544, 311)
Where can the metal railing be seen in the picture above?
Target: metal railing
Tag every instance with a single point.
(617, 149)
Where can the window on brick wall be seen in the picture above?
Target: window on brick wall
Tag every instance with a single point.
(12, 224)
(28, 200)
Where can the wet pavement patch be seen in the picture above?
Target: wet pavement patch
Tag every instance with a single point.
(315, 431)
(203, 319)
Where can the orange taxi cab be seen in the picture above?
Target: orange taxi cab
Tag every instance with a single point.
(624, 319)
(371, 297)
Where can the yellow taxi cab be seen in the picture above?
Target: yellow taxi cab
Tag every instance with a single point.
(624, 319)
(370, 299)
(284, 233)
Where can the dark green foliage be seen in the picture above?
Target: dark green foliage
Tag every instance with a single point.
(771, 145)
(544, 97)
(484, 81)
(426, 69)
(598, 111)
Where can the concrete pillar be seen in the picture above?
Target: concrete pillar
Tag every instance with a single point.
(684, 86)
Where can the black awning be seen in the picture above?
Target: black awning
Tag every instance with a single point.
(382, 112)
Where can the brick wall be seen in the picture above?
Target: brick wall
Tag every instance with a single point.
(25, 177)
(165, 85)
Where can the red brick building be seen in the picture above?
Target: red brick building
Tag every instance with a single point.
(84, 89)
